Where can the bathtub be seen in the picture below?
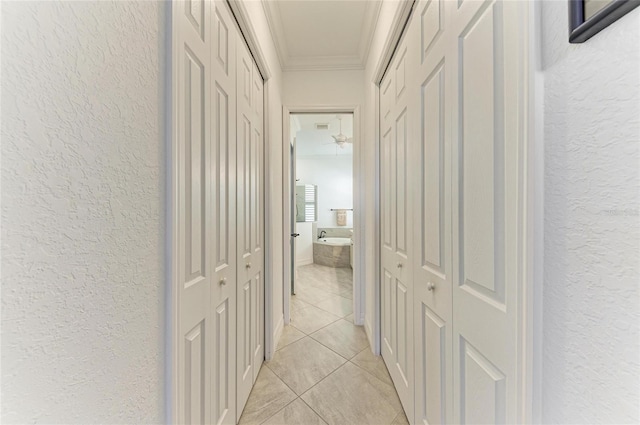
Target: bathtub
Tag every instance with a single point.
(332, 252)
(335, 241)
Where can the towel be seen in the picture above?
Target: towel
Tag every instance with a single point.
(341, 217)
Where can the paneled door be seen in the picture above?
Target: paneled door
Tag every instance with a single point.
(486, 65)
(433, 271)
(250, 223)
(194, 272)
(396, 249)
(223, 213)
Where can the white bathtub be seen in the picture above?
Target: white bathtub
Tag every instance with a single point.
(334, 241)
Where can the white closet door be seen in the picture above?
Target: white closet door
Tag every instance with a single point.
(195, 274)
(223, 213)
(488, 193)
(433, 274)
(397, 291)
(250, 224)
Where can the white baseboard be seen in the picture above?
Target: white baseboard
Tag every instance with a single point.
(277, 333)
(369, 333)
(304, 262)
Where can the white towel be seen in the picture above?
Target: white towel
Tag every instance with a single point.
(341, 217)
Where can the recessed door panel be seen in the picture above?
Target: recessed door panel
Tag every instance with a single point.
(433, 169)
(431, 407)
(222, 179)
(387, 193)
(482, 388)
(482, 139)
(194, 184)
(431, 24)
(223, 387)
(222, 44)
(195, 371)
(401, 207)
(400, 74)
(195, 12)
(402, 330)
(387, 297)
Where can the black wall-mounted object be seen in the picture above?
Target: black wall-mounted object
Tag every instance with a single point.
(581, 28)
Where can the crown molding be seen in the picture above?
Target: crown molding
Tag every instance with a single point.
(372, 14)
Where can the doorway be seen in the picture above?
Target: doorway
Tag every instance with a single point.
(321, 215)
(309, 137)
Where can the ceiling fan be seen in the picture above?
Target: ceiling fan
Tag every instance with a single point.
(341, 139)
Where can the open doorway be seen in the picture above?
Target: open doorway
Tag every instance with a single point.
(321, 218)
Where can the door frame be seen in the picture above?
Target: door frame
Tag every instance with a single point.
(358, 202)
(530, 338)
(172, 218)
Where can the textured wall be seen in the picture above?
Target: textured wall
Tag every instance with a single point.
(82, 212)
(592, 222)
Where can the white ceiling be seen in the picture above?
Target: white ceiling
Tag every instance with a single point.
(312, 142)
(322, 34)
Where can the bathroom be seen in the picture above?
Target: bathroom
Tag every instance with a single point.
(323, 260)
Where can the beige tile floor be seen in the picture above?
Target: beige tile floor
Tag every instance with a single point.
(323, 371)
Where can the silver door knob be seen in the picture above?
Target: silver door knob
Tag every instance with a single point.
(431, 286)
(223, 281)
(399, 265)
(248, 265)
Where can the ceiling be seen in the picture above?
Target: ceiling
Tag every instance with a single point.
(322, 34)
(312, 142)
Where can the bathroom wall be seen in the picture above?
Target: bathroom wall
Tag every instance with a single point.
(334, 177)
(591, 338)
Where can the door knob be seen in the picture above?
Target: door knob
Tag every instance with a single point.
(431, 286)
(248, 265)
(223, 281)
(295, 235)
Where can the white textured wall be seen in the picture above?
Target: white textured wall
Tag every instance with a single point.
(334, 177)
(591, 305)
(83, 154)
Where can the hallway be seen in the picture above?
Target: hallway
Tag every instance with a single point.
(323, 370)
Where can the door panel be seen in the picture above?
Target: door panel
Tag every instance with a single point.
(396, 249)
(452, 211)
(194, 271)
(434, 269)
(487, 209)
(223, 215)
(250, 226)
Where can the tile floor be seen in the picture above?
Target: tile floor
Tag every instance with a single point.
(323, 371)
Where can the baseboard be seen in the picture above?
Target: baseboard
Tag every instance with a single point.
(304, 262)
(369, 333)
(277, 333)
